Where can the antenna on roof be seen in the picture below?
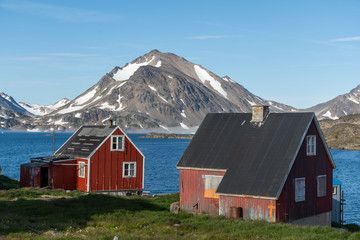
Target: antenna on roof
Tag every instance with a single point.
(52, 135)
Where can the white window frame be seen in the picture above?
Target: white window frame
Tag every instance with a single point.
(117, 143)
(128, 174)
(311, 145)
(300, 189)
(82, 170)
(321, 192)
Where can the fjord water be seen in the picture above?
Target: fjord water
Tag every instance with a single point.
(161, 176)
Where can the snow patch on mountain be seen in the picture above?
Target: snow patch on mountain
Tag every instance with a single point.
(83, 99)
(4, 116)
(107, 106)
(184, 126)
(205, 76)
(126, 72)
(163, 99)
(328, 114)
(121, 107)
(251, 102)
(71, 108)
(60, 122)
(158, 64)
(353, 100)
(183, 113)
(152, 88)
(78, 115)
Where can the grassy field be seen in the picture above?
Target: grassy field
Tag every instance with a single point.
(55, 214)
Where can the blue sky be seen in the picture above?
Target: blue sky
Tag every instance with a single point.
(299, 53)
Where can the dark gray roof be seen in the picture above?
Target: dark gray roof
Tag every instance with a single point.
(257, 159)
(85, 140)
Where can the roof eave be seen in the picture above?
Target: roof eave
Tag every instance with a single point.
(246, 196)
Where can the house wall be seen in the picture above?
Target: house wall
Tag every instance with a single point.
(29, 176)
(336, 211)
(63, 175)
(252, 208)
(192, 191)
(81, 183)
(309, 167)
(106, 168)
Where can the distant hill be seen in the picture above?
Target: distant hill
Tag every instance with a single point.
(342, 105)
(343, 133)
(41, 110)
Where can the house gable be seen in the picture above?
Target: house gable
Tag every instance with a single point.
(106, 166)
(308, 168)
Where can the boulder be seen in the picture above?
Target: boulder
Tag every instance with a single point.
(175, 207)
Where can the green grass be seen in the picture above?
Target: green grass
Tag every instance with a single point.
(44, 214)
(8, 183)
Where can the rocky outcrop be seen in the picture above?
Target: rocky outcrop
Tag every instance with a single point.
(167, 135)
(342, 133)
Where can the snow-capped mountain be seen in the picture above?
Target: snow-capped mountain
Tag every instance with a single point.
(158, 90)
(339, 106)
(41, 110)
(8, 103)
(12, 115)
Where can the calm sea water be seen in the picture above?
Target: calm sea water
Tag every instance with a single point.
(161, 176)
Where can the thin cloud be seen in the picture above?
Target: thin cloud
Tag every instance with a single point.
(206, 37)
(71, 55)
(60, 13)
(29, 58)
(349, 39)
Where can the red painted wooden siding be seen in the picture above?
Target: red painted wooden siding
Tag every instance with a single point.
(63, 175)
(309, 167)
(30, 176)
(192, 191)
(106, 168)
(253, 208)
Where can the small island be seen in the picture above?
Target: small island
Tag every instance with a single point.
(167, 135)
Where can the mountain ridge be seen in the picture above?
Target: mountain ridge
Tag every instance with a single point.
(156, 91)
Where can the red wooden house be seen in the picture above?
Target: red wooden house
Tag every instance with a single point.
(259, 165)
(94, 158)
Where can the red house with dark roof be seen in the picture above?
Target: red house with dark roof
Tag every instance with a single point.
(94, 158)
(259, 165)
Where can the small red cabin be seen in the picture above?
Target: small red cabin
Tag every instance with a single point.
(259, 165)
(94, 158)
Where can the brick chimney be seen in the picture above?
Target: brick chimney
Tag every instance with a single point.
(259, 113)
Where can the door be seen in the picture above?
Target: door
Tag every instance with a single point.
(44, 177)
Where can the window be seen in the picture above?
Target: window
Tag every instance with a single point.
(211, 184)
(129, 169)
(311, 145)
(299, 189)
(321, 186)
(82, 169)
(117, 143)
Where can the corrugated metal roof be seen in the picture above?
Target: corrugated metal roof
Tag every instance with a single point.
(85, 140)
(257, 158)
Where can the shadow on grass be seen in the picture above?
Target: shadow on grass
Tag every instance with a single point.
(59, 214)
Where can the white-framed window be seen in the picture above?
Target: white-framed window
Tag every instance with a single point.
(82, 169)
(321, 186)
(299, 189)
(311, 145)
(117, 143)
(129, 169)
